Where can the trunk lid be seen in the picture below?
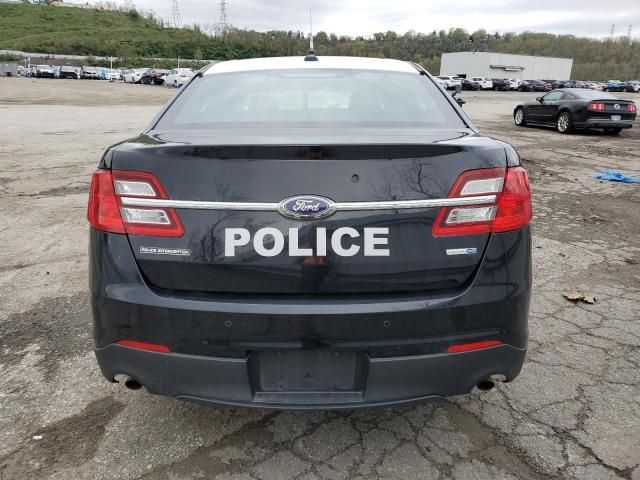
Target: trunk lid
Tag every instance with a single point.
(422, 167)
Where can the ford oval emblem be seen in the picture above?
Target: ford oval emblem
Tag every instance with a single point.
(306, 207)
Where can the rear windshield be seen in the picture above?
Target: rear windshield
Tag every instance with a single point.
(319, 98)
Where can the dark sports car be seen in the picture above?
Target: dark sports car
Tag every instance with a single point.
(310, 232)
(577, 108)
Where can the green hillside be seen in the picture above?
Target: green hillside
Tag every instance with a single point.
(83, 31)
(129, 35)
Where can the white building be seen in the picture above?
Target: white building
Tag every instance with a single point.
(505, 65)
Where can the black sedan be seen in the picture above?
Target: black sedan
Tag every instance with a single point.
(242, 251)
(577, 108)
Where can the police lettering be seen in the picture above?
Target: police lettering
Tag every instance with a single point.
(269, 242)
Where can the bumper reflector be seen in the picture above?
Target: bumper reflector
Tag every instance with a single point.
(150, 347)
(468, 347)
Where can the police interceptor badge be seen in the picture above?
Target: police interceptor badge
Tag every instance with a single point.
(179, 252)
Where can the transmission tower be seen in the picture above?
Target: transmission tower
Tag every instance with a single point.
(612, 31)
(176, 21)
(222, 26)
(629, 32)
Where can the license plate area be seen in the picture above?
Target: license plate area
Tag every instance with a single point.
(307, 376)
(616, 118)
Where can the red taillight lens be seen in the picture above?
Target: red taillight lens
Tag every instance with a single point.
(468, 347)
(596, 107)
(108, 213)
(103, 211)
(514, 204)
(511, 211)
(150, 347)
(631, 107)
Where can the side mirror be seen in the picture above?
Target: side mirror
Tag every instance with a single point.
(539, 100)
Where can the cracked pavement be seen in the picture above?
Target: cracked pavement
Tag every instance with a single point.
(574, 412)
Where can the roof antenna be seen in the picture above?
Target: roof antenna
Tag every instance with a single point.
(311, 56)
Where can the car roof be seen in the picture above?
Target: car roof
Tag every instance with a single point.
(286, 63)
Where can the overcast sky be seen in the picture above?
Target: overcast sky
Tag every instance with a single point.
(364, 17)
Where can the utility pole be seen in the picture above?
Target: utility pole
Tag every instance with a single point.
(222, 26)
(176, 21)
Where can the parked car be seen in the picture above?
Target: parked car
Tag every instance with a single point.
(632, 86)
(90, 73)
(67, 71)
(178, 76)
(485, 83)
(134, 75)
(573, 109)
(44, 71)
(514, 83)
(556, 83)
(109, 74)
(615, 86)
(440, 82)
(153, 76)
(501, 84)
(450, 81)
(233, 263)
(534, 86)
(468, 84)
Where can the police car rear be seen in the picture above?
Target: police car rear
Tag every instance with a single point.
(310, 234)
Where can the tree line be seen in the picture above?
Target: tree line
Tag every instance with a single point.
(133, 35)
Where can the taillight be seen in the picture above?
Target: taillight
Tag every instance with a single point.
(106, 211)
(103, 211)
(596, 107)
(514, 203)
(631, 107)
(512, 209)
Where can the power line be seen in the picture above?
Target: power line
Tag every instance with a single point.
(176, 21)
(222, 26)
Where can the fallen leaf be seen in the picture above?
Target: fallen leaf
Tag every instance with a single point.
(580, 297)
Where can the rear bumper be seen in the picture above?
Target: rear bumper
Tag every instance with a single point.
(401, 339)
(604, 123)
(388, 381)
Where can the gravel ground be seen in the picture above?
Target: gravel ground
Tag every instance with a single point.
(574, 412)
